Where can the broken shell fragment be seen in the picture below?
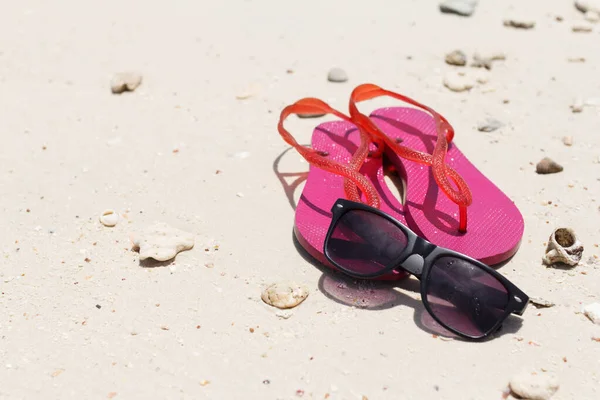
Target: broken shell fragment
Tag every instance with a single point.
(592, 311)
(284, 314)
(548, 166)
(250, 91)
(161, 242)
(533, 386)
(485, 59)
(563, 247)
(125, 81)
(459, 7)
(577, 105)
(519, 23)
(538, 302)
(489, 125)
(109, 218)
(581, 28)
(284, 294)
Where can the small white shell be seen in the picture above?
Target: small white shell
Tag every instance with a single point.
(162, 242)
(577, 105)
(458, 82)
(592, 311)
(109, 218)
(456, 57)
(284, 294)
(337, 75)
(125, 81)
(592, 16)
(563, 247)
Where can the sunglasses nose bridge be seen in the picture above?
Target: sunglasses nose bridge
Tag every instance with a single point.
(414, 265)
(423, 247)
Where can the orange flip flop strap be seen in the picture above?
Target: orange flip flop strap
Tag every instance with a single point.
(354, 180)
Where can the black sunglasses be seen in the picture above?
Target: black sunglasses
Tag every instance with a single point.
(462, 294)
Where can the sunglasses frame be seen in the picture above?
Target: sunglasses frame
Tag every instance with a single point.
(429, 252)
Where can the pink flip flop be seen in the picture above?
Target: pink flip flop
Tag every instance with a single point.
(338, 167)
(495, 225)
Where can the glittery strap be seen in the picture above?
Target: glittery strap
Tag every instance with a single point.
(445, 133)
(354, 180)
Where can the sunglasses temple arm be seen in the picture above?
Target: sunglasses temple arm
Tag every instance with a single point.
(497, 297)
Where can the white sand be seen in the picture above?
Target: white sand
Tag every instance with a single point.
(56, 63)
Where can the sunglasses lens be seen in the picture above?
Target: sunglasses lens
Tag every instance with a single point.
(464, 296)
(365, 243)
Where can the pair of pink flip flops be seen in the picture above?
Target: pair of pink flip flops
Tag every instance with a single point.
(442, 188)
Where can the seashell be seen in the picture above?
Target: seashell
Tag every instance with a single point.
(567, 140)
(161, 242)
(456, 57)
(548, 166)
(125, 81)
(109, 218)
(284, 294)
(563, 247)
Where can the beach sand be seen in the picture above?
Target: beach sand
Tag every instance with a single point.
(82, 317)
